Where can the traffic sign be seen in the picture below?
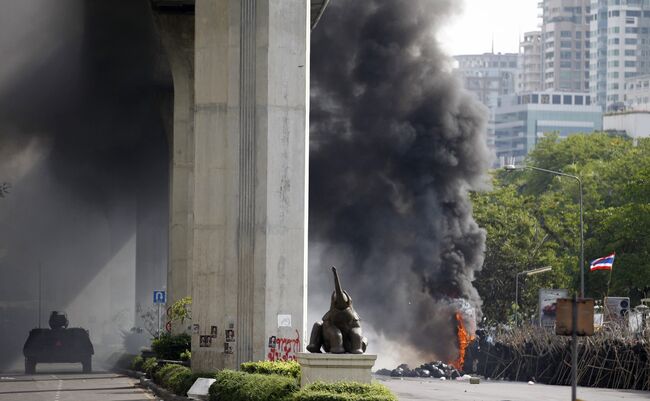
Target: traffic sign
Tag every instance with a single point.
(159, 297)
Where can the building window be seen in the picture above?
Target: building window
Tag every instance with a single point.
(567, 99)
(565, 34)
(535, 98)
(630, 63)
(565, 44)
(632, 13)
(578, 99)
(614, 13)
(557, 99)
(630, 52)
(545, 99)
(630, 41)
(587, 100)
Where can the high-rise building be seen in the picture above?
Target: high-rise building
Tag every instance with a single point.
(565, 35)
(488, 76)
(522, 119)
(530, 63)
(620, 44)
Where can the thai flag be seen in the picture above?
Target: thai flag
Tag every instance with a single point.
(604, 263)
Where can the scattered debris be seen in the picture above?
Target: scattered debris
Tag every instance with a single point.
(431, 369)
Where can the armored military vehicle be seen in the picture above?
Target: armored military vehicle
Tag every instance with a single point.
(58, 344)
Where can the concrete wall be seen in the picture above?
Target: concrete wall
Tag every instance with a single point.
(177, 35)
(250, 178)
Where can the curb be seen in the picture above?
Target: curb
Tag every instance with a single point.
(153, 387)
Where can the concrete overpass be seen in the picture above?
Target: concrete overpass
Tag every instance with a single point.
(238, 218)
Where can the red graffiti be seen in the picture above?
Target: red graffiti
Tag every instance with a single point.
(284, 349)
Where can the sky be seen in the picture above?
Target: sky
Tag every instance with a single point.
(480, 20)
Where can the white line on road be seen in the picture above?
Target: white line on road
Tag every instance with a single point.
(58, 391)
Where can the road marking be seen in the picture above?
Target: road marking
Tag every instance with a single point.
(58, 391)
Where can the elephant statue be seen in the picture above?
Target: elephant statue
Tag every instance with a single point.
(339, 332)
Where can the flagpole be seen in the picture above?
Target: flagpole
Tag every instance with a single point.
(609, 280)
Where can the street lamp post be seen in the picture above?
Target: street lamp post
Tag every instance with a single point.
(525, 273)
(512, 167)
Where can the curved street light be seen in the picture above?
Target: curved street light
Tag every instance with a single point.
(512, 167)
(526, 273)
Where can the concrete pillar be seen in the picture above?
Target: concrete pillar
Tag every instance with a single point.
(250, 179)
(177, 34)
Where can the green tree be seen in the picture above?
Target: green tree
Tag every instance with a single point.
(532, 220)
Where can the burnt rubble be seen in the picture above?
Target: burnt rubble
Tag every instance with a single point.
(432, 369)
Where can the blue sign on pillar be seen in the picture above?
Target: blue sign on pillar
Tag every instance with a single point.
(159, 297)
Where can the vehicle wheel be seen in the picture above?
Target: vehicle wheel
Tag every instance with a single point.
(87, 365)
(30, 366)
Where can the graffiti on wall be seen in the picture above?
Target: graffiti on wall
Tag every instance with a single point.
(283, 349)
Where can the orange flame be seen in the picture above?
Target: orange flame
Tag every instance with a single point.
(464, 339)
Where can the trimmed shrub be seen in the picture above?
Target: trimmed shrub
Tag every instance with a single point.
(163, 375)
(288, 368)
(175, 378)
(345, 391)
(186, 355)
(150, 366)
(241, 386)
(136, 363)
(170, 346)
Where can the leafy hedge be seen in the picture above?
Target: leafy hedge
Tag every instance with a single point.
(170, 346)
(174, 378)
(137, 362)
(242, 386)
(289, 368)
(345, 391)
(150, 366)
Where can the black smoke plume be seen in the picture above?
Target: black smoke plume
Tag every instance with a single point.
(395, 147)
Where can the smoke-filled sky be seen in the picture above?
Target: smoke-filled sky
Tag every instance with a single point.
(479, 23)
(395, 147)
(83, 144)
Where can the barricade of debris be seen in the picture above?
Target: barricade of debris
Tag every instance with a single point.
(613, 358)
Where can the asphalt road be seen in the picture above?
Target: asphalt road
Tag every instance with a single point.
(65, 383)
(435, 389)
